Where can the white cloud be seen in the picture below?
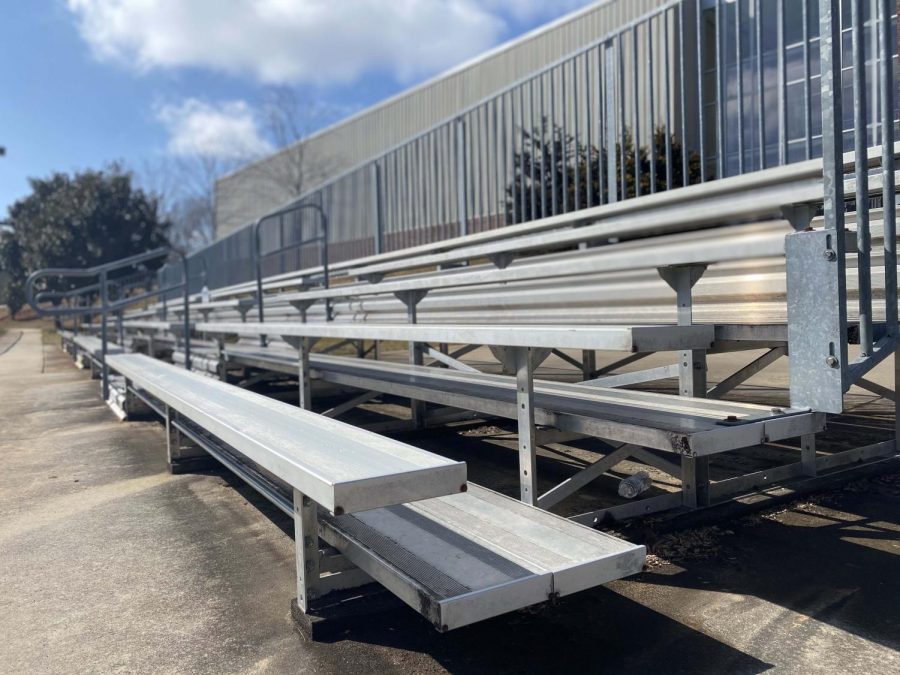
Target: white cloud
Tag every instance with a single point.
(530, 10)
(291, 41)
(228, 130)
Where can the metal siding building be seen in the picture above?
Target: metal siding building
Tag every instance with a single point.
(621, 99)
(250, 192)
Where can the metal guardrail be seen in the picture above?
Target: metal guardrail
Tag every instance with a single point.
(102, 286)
(654, 105)
(821, 367)
(259, 255)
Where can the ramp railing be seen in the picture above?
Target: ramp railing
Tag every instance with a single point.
(102, 281)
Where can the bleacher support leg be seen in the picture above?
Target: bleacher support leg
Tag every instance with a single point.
(184, 456)
(808, 454)
(221, 364)
(527, 430)
(691, 379)
(306, 540)
(588, 363)
(416, 356)
(303, 346)
(897, 401)
(694, 481)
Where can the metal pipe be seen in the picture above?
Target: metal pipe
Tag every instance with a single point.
(739, 81)
(700, 103)
(666, 95)
(635, 115)
(553, 185)
(807, 107)
(760, 87)
(886, 52)
(860, 117)
(104, 338)
(720, 94)
(186, 319)
(782, 84)
(651, 107)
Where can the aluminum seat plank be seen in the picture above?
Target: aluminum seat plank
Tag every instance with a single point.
(752, 241)
(338, 466)
(94, 346)
(610, 338)
(662, 421)
(467, 557)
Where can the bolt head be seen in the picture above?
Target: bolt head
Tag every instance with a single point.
(831, 361)
(829, 255)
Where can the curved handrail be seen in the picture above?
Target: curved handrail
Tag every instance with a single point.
(84, 273)
(258, 255)
(106, 306)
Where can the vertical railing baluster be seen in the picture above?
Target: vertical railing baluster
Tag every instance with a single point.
(889, 214)
(564, 137)
(461, 196)
(760, 88)
(543, 172)
(588, 137)
(682, 86)
(635, 112)
(739, 83)
(622, 130)
(860, 146)
(577, 197)
(807, 103)
(666, 76)
(651, 106)
(601, 121)
(782, 86)
(720, 91)
(553, 181)
(701, 113)
(531, 136)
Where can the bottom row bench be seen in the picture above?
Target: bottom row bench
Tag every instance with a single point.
(372, 513)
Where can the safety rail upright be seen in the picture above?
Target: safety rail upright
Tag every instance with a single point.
(103, 286)
(259, 256)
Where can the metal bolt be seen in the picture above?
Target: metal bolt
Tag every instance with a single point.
(829, 254)
(831, 361)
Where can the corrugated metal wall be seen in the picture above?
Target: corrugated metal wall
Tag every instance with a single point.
(252, 192)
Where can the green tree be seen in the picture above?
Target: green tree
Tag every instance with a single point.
(551, 158)
(79, 220)
(11, 293)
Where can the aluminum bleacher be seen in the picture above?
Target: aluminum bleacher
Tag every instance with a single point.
(455, 552)
(777, 259)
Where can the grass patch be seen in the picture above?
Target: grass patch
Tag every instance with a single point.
(49, 336)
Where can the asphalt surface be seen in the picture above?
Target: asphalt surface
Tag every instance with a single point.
(109, 564)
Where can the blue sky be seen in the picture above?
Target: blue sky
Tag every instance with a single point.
(90, 81)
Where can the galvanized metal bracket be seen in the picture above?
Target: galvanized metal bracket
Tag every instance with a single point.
(411, 298)
(503, 259)
(798, 215)
(302, 305)
(507, 357)
(817, 319)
